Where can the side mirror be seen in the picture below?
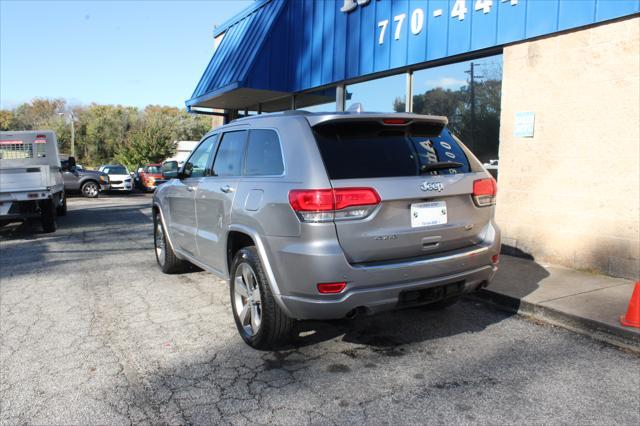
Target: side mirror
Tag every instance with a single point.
(186, 171)
(170, 170)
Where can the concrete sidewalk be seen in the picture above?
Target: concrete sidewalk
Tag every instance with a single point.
(580, 301)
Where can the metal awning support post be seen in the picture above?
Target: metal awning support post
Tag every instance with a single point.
(340, 97)
(408, 104)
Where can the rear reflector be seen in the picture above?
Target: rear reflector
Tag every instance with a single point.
(331, 288)
(323, 205)
(495, 259)
(484, 192)
(395, 121)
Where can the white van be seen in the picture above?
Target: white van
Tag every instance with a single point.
(30, 178)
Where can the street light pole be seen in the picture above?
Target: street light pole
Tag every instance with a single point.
(73, 131)
(73, 136)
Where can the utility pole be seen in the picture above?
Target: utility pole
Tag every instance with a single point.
(73, 131)
(73, 135)
(472, 101)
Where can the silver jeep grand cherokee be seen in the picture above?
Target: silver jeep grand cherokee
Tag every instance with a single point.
(331, 215)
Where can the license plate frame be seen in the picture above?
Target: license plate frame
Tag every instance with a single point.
(427, 214)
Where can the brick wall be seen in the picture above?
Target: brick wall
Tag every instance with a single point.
(571, 194)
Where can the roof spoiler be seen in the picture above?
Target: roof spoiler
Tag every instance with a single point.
(423, 125)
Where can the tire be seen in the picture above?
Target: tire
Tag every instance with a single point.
(263, 325)
(442, 304)
(166, 258)
(61, 210)
(90, 189)
(48, 216)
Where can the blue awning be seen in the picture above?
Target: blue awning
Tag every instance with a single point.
(277, 48)
(224, 82)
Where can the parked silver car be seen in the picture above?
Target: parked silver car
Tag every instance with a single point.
(331, 215)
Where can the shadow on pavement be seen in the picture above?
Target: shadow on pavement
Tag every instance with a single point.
(85, 232)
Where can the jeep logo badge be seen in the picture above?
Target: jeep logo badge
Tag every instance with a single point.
(435, 186)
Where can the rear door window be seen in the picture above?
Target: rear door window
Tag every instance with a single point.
(369, 150)
(228, 160)
(264, 155)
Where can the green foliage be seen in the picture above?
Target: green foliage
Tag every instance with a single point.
(109, 133)
(149, 144)
(7, 119)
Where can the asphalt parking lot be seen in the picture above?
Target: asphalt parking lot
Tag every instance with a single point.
(93, 333)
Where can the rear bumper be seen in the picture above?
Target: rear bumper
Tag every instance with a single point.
(125, 186)
(378, 299)
(150, 186)
(27, 195)
(371, 287)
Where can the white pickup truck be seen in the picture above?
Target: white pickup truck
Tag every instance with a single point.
(31, 184)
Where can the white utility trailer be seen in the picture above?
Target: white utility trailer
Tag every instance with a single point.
(31, 183)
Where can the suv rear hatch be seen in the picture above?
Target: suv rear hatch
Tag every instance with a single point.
(424, 179)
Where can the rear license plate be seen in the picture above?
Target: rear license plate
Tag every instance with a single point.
(428, 214)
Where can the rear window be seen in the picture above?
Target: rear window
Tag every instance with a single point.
(15, 150)
(153, 169)
(370, 151)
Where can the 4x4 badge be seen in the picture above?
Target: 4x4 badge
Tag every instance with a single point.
(432, 186)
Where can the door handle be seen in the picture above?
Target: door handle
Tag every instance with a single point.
(226, 189)
(190, 188)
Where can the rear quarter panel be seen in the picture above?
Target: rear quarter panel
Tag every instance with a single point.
(262, 203)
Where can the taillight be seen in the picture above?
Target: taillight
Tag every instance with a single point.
(348, 197)
(331, 288)
(325, 205)
(484, 192)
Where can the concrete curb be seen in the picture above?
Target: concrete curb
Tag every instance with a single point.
(620, 337)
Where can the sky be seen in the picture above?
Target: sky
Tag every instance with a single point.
(113, 52)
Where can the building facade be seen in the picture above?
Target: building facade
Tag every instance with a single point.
(545, 92)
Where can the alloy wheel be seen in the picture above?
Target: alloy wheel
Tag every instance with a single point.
(247, 300)
(90, 190)
(159, 243)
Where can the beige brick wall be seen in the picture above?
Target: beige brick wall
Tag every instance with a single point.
(571, 194)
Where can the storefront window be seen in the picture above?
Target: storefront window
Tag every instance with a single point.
(317, 101)
(468, 94)
(380, 95)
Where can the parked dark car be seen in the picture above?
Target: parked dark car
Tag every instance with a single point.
(87, 182)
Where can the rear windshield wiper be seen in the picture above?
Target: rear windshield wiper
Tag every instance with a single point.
(440, 166)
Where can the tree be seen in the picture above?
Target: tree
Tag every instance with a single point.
(37, 113)
(6, 120)
(149, 144)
